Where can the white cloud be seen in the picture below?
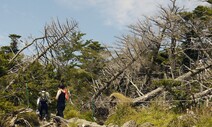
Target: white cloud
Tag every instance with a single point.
(124, 12)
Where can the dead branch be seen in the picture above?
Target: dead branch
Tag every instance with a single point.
(194, 72)
(54, 34)
(28, 45)
(148, 96)
(183, 77)
(138, 91)
(203, 93)
(47, 125)
(111, 80)
(24, 121)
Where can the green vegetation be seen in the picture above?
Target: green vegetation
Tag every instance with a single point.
(172, 86)
(153, 114)
(176, 58)
(30, 117)
(73, 112)
(159, 116)
(121, 98)
(73, 125)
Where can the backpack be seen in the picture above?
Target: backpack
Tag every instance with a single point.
(43, 96)
(66, 94)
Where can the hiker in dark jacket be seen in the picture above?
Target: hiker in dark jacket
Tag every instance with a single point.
(60, 97)
(42, 102)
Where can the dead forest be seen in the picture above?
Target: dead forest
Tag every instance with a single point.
(165, 58)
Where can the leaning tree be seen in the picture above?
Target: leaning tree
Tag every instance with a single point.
(170, 52)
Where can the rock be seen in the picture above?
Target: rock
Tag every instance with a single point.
(101, 114)
(147, 124)
(111, 125)
(84, 123)
(130, 123)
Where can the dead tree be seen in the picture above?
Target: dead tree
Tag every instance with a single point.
(54, 34)
(138, 55)
(157, 91)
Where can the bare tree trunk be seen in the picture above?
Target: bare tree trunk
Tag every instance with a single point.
(194, 72)
(148, 96)
(203, 93)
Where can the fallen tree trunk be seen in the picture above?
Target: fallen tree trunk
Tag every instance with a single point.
(148, 96)
(185, 76)
(194, 72)
(157, 91)
(203, 93)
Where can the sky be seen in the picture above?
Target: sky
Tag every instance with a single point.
(101, 20)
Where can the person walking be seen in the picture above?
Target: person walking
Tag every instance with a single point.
(61, 100)
(42, 102)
